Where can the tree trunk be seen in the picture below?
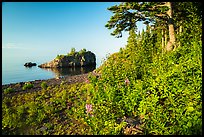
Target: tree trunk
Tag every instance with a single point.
(165, 37)
(172, 39)
(180, 31)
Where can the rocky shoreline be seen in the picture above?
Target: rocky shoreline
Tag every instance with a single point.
(53, 81)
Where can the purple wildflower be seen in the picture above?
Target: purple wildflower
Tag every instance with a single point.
(127, 82)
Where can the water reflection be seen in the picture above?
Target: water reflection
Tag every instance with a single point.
(69, 71)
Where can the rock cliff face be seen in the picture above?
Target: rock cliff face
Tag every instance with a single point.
(78, 60)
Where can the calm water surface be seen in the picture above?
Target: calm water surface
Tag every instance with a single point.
(13, 69)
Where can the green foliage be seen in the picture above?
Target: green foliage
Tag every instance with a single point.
(161, 91)
(42, 112)
(27, 86)
(127, 14)
(174, 101)
(44, 85)
(82, 51)
(60, 56)
(168, 96)
(72, 52)
(164, 90)
(8, 90)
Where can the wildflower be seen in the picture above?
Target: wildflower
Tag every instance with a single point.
(87, 81)
(127, 82)
(89, 109)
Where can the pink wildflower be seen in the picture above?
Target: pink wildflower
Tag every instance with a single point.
(87, 81)
(88, 108)
(127, 82)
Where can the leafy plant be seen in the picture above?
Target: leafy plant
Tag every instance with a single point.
(60, 56)
(8, 90)
(27, 86)
(72, 52)
(44, 85)
(82, 51)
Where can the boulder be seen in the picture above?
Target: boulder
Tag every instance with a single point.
(78, 60)
(29, 64)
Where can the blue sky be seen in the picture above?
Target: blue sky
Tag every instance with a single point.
(45, 29)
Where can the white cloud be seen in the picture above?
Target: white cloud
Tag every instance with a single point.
(12, 45)
(9, 45)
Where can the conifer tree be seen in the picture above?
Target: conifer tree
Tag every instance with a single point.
(128, 13)
(132, 42)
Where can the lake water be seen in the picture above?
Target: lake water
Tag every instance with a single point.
(13, 69)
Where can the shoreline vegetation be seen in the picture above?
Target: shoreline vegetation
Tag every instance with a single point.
(39, 108)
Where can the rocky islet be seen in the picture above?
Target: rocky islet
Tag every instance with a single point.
(76, 60)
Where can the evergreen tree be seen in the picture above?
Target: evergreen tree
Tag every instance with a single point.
(165, 14)
(132, 42)
(128, 13)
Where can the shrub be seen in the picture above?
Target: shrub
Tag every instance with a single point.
(164, 91)
(44, 85)
(59, 56)
(8, 90)
(27, 86)
(173, 103)
(82, 51)
(72, 52)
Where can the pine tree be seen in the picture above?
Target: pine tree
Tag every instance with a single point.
(132, 42)
(163, 13)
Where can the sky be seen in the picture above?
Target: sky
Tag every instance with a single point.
(45, 29)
